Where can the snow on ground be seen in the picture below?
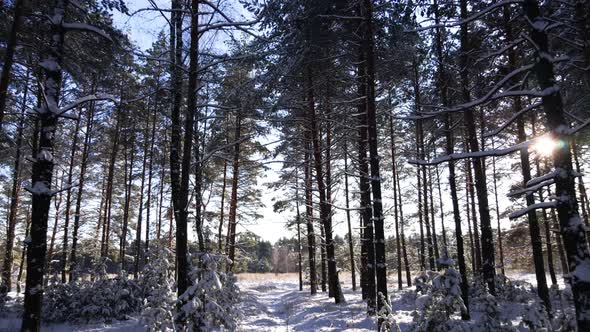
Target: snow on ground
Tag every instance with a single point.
(273, 303)
(131, 325)
(277, 304)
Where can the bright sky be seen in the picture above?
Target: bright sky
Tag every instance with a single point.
(143, 29)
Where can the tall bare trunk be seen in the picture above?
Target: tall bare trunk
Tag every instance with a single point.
(309, 214)
(6, 282)
(9, 56)
(64, 254)
(571, 225)
(43, 170)
(350, 243)
(83, 167)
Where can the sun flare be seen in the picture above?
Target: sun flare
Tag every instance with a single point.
(544, 146)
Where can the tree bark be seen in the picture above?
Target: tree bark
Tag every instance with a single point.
(534, 229)
(350, 244)
(178, 176)
(222, 208)
(395, 203)
(140, 212)
(309, 214)
(233, 204)
(42, 172)
(83, 167)
(403, 236)
(325, 207)
(571, 225)
(6, 282)
(487, 237)
(129, 159)
(64, 253)
(9, 56)
(148, 203)
(500, 245)
(443, 90)
(23, 253)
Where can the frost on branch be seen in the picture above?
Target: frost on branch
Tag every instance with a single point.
(440, 304)
(211, 301)
(157, 282)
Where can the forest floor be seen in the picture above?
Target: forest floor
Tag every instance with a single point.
(274, 303)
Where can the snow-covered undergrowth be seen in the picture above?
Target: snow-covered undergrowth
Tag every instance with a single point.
(145, 304)
(269, 302)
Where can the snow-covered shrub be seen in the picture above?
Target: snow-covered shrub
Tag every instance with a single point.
(211, 300)
(564, 315)
(518, 291)
(423, 281)
(440, 300)
(59, 301)
(386, 316)
(535, 317)
(489, 319)
(102, 300)
(157, 284)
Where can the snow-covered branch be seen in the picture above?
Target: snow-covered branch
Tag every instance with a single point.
(477, 154)
(522, 212)
(85, 99)
(86, 27)
(530, 189)
(471, 18)
(512, 119)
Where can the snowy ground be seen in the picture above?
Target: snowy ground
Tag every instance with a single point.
(274, 303)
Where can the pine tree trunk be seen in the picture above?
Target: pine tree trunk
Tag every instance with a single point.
(129, 159)
(9, 56)
(178, 175)
(325, 207)
(148, 203)
(161, 188)
(190, 123)
(222, 208)
(468, 214)
(23, 253)
(138, 229)
(347, 200)
(500, 245)
(6, 282)
(395, 204)
(571, 225)
(449, 149)
(42, 172)
(324, 275)
(298, 221)
(442, 213)
(422, 170)
(309, 214)
(367, 240)
(104, 247)
(332, 287)
(476, 238)
(487, 237)
(422, 247)
(403, 235)
(581, 188)
(83, 167)
(534, 229)
(64, 253)
(233, 203)
(57, 211)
